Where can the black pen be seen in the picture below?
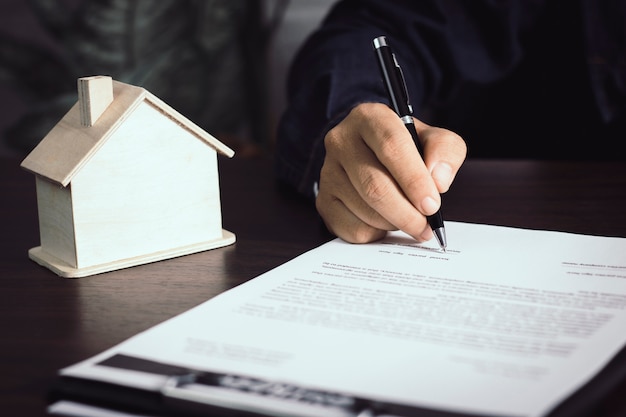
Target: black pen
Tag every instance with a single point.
(399, 96)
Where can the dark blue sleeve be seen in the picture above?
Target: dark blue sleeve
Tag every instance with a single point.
(439, 44)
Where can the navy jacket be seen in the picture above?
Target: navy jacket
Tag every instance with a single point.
(494, 71)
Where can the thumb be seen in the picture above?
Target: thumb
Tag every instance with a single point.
(444, 153)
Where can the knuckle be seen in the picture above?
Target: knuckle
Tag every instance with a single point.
(362, 112)
(374, 190)
(392, 146)
(332, 140)
(363, 233)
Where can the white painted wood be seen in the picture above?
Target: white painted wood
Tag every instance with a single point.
(68, 146)
(64, 270)
(63, 152)
(151, 187)
(139, 185)
(95, 94)
(56, 226)
(189, 125)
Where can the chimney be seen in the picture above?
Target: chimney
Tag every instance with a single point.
(94, 96)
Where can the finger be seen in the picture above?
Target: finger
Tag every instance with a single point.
(444, 153)
(376, 187)
(335, 185)
(393, 146)
(344, 224)
(341, 220)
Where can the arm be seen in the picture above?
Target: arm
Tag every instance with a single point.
(336, 71)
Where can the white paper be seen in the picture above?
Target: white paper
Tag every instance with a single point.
(506, 322)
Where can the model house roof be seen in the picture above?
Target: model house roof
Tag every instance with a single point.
(88, 125)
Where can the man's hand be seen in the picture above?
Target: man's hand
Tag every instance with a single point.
(374, 180)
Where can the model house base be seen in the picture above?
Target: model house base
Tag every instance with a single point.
(65, 270)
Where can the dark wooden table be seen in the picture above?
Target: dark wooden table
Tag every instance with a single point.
(48, 322)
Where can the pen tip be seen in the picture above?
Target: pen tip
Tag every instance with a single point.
(440, 234)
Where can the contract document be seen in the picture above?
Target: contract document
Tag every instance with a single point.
(506, 322)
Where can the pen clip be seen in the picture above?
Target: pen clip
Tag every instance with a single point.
(405, 91)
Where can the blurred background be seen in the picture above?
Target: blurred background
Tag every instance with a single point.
(221, 63)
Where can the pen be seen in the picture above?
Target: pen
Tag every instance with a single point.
(399, 96)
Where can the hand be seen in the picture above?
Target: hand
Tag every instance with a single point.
(374, 180)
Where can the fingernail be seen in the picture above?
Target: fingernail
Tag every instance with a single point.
(429, 206)
(442, 174)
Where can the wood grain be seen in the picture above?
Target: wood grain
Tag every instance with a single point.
(48, 322)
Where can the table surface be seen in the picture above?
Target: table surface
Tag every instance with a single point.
(48, 322)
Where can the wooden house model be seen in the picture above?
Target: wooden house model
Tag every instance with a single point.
(124, 179)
